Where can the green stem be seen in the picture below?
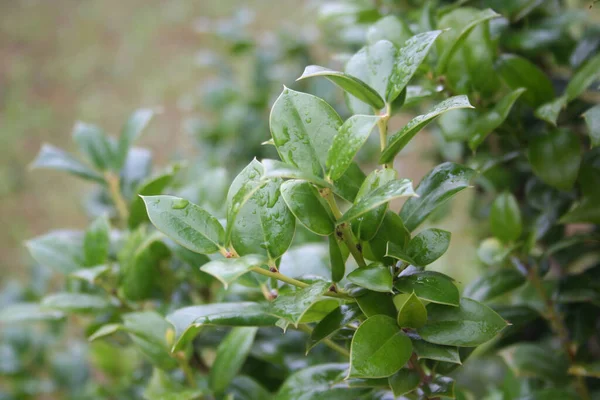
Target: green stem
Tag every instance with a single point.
(114, 188)
(382, 125)
(187, 370)
(328, 342)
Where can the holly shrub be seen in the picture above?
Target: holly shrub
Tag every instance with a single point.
(307, 276)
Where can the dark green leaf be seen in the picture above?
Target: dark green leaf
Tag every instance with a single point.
(350, 84)
(428, 246)
(245, 388)
(391, 230)
(438, 186)
(132, 129)
(227, 270)
(94, 143)
(379, 348)
(400, 139)
(431, 286)
(555, 158)
(549, 112)
(96, 242)
(28, 312)
(397, 252)
(332, 323)
(592, 120)
(185, 223)
(51, 157)
(441, 386)
(374, 277)
(59, 250)
(519, 72)
(375, 303)
(230, 357)
(534, 359)
(404, 381)
(336, 259)
(304, 201)
(368, 224)
(411, 311)
(151, 187)
(505, 218)
(348, 185)
(243, 187)
(292, 306)
(76, 302)
(437, 352)
(468, 325)
(494, 283)
(583, 78)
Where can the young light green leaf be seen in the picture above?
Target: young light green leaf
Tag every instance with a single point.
(96, 242)
(397, 252)
(292, 307)
(278, 169)
(491, 120)
(404, 381)
(243, 187)
(468, 325)
(59, 250)
(428, 246)
(185, 223)
(76, 302)
(303, 127)
(411, 311)
(94, 144)
(227, 270)
(336, 259)
(505, 218)
(368, 224)
(400, 139)
(478, 18)
(583, 78)
(350, 138)
(51, 157)
(231, 355)
(350, 84)
(376, 303)
(304, 202)
(555, 158)
(332, 323)
(549, 112)
(151, 187)
(383, 194)
(431, 286)
(28, 312)
(375, 277)
(379, 348)
(389, 28)
(592, 120)
(494, 283)
(437, 187)
(132, 129)
(519, 72)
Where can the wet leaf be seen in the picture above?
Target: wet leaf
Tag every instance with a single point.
(308, 207)
(228, 270)
(374, 277)
(431, 286)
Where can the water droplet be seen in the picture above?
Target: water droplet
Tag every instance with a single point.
(179, 204)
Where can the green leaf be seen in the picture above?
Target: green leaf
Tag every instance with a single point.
(431, 286)
(245, 388)
(468, 325)
(555, 158)
(151, 187)
(332, 323)
(28, 312)
(189, 320)
(351, 136)
(389, 28)
(437, 352)
(350, 84)
(348, 185)
(368, 224)
(105, 330)
(410, 57)
(96, 242)
(404, 381)
(51, 157)
(585, 211)
(303, 127)
(583, 78)
(374, 277)
(243, 187)
(132, 129)
(397, 252)
(383, 194)
(492, 252)
(92, 274)
(308, 207)
(231, 355)
(278, 169)
(185, 223)
(438, 186)
(391, 230)
(519, 72)
(264, 225)
(227, 270)
(400, 139)
(492, 119)
(494, 283)
(428, 246)
(292, 306)
(94, 144)
(505, 218)
(148, 331)
(376, 303)
(538, 360)
(336, 259)
(76, 302)
(163, 387)
(59, 250)
(379, 348)
(440, 386)
(411, 311)
(477, 18)
(549, 112)
(374, 65)
(592, 120)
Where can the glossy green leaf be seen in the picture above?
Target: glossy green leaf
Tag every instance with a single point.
(278, 169)
(132, 129)
(319, 310)
(366, 226)
(230, 357)
(28, 312)
(96, 242)
(491, 120)
(438, 186)
(308, 207)
(519, 72)
(400, 139)
(351, 136)
(592, 120)
(76, 302)
(505, 218)
(228, 270)
(550, 111)
(336, 260)
(397, 252)
(376, 303)
(185, 223)
(189, 320)
(243, 187)
(494, 283)
(51, 157)
(467, 325)
(411, 311)
(404, 381)
(389, 28)
(392, 230)
(379, 348)
(555, 158)
(148, 331)
(437, 352)
(94, 144)
(374, 277)
(477, 18)
(303, 127)
(150, 187)
(59, 250)
(431, 286)
(383, 194)
(428, 246)
(332, 323)
(292, 306)
(583, 78)
(350, 84)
